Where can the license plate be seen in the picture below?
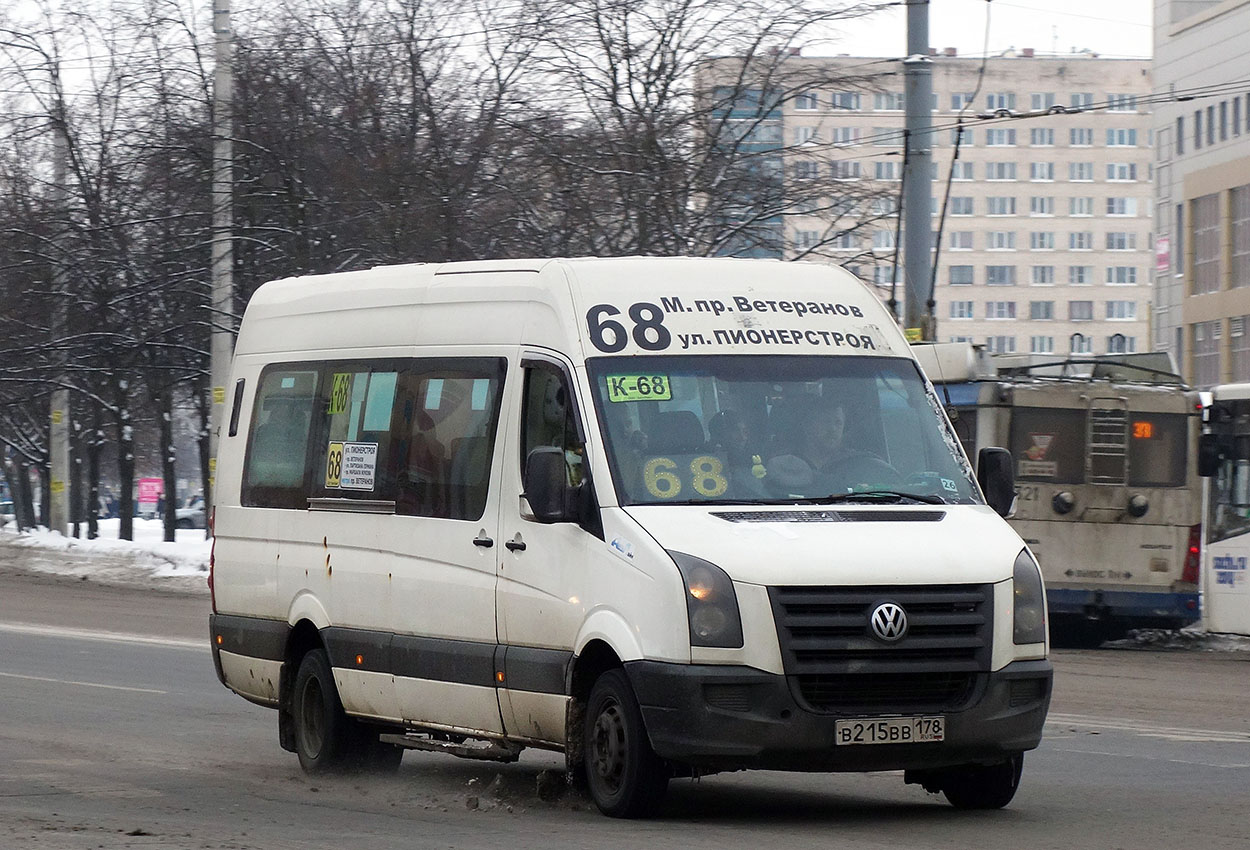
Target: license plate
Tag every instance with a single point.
(890, 730)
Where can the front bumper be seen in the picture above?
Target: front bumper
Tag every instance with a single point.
(726, 718)
(1146, 606)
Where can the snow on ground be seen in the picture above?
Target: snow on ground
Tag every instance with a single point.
(148, 559)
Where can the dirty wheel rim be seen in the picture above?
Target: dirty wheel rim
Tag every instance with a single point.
(610, 746)
(312, 718)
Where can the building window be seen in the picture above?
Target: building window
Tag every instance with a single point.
(843, 242)
(1001, 240)
(1000, 171)
(1239, 346)
(1121, 344)
(1121, 103)
(1081, 240)
(1000, 309)
(1080, 344)
(1000, 100)
(890, 101)
(1041, 311)
(806, 170)
(888, 170)
(960, 275)
(807, 100)
(1223, 121)
(887, 137)
(960, 99)
(1041, 241)
(1042, 344)
(1122, 138)
(1041, 205)
(961, 206)
(1082, 99)
(844, 169)
(1122, 275)
(1211, 124)
(962, 136)
(1206, 349)
(845, 135)
(1122, 172)
(1000, 205)
(882, 239)
(805, 240)
(883, 275)
(961, 240)
(804, 134)
(1042, 276)
(1081, 137)
(1237, 116)
(1000, 275)
(1122, 207)
(1080, 311)
(961, 170)
(1206, 218)
(1180, 134)
(1000, 138)
(1081, 172)
(846, 100)
(961, 310)
(1197, 129)
(1121, 241)
(1122, 311)
(1080, 275)
(1042, 171)
(1000, 344)
(1042, 137)
(1041, 101)
(1080, 206)
(1240, 202)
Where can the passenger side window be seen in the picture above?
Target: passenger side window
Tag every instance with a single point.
(275, 475)
(549, 419)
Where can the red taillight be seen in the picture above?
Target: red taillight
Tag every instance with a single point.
(1192, 562)
(212, 557)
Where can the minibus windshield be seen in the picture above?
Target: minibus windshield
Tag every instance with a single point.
(776, 429)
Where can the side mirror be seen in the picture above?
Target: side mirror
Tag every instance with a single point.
(546, 485)
(1208, 455)
(997, 479)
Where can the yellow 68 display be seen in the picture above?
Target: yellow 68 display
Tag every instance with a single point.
(705, 471)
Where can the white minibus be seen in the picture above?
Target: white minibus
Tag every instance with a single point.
(666, 516)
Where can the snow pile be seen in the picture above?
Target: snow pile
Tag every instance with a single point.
(147, 555)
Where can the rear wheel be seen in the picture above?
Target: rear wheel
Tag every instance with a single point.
(323, 732)
(983, 786)
(625, 777)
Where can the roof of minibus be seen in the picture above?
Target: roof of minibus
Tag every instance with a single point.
(662, 305)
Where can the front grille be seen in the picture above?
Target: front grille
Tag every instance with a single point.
(835, 663)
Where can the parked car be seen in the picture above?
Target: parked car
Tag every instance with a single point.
(7, 514)
(191, 516)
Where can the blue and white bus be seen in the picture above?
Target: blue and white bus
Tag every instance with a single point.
(1224, 459)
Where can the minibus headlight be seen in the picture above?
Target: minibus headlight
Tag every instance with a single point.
(711, 604)
(1030, 601)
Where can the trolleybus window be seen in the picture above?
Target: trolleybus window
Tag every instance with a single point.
(1157, 446)
(1048, 444)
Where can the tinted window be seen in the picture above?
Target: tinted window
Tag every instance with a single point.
(1048, 444)
(278, 439)
(1157, 449)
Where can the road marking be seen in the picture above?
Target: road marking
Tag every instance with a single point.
(83, 684)
(99, 635)
(1172, 733)
(1149, 758)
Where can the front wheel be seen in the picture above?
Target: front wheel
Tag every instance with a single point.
(984, 786)
(625, 777)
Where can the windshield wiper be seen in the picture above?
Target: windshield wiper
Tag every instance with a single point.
(884, 496)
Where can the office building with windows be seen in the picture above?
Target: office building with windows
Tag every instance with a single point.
(1202, 244)
(1045, 245)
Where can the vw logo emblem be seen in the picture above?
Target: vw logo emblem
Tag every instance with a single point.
(888, 621)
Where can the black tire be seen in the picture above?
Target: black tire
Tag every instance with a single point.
(983, 786)
(625, 777)
(373, 756)
(323, 732)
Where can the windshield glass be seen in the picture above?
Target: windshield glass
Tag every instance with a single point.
(757, 428)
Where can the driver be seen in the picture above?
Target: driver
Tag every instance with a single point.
(819, 446)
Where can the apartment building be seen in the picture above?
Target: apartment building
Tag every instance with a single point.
(1046, 241)
(1202, 124)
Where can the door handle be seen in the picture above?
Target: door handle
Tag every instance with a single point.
(483, 541)
(516, 544)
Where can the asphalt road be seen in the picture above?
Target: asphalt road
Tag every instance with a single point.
(115, 733)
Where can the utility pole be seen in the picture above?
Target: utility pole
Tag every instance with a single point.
(918, 174)
(58, 433)
(221, 315)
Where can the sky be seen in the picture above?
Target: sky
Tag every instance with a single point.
(1113, 28)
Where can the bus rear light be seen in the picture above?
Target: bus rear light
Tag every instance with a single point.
(1190, 571)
